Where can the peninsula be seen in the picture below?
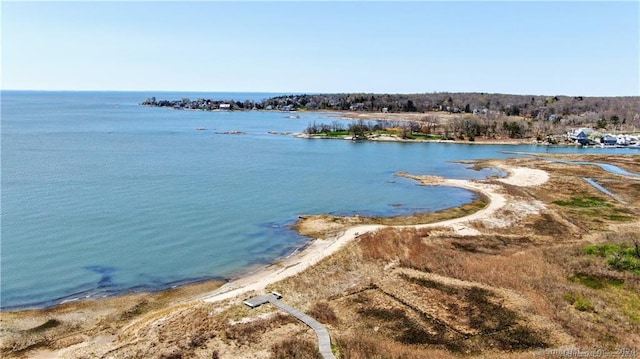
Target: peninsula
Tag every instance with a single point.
(463, 117)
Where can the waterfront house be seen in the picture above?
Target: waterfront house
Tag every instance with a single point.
(609, 140)
(225, 106)
(581, 135)
(624, 140)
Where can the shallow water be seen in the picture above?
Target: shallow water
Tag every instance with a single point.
(601, 188)
(101, 196)
(605, 166)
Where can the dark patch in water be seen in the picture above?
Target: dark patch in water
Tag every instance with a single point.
(106, 272)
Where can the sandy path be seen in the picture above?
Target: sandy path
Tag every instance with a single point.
(320, 249)
(314, 253)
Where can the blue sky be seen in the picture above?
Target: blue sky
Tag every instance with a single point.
(540, 48)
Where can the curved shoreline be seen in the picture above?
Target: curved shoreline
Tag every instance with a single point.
(322, 248)
(258, 277)
(235, 291)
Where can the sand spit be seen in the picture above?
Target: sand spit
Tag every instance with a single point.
(322, 248)
(235, 291)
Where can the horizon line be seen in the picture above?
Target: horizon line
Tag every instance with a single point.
(315, 92)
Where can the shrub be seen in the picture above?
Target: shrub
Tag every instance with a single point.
(584, 202)
(295, 348)
(620, 257)
(579, 301)
(322, 312)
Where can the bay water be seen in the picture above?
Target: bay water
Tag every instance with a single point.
(101, 196)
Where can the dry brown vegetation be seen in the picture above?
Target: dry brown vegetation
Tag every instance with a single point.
(325, 225)
(403, 293)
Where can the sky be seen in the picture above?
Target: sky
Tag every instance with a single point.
(534, 48)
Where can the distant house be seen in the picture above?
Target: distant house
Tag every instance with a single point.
(483, 111)
(581, 135)
(225, 106)
(287, 108)
(609, 140)
(623, 140)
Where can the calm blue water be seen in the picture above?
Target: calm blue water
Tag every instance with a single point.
(101, 196)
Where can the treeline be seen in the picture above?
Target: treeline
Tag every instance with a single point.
(202, 104)
(462, 128)
(570, 110)
(534, 107)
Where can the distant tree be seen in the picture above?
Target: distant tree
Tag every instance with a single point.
(615, 120)
(410, 107)
(358, 129)
(337, 126)
(513, 129)
(312, 129)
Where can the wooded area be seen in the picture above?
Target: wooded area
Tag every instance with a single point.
(476, 114)
(616, 110)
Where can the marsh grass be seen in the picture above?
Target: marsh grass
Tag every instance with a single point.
(323, 313)
(594, 211)
(47, 335)
(431, 284)
(295, 348)
(247, 333)
(595, 281)
(584, 202)
(338, 223)
(579, 301)
(559, 278)
(619, 256)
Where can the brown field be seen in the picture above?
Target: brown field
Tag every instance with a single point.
(536, 276)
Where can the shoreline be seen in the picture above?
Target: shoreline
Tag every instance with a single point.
(138, 321)
(309, 253)
(385, 138)
(320, 249)
(411, 117)
(306, 255)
